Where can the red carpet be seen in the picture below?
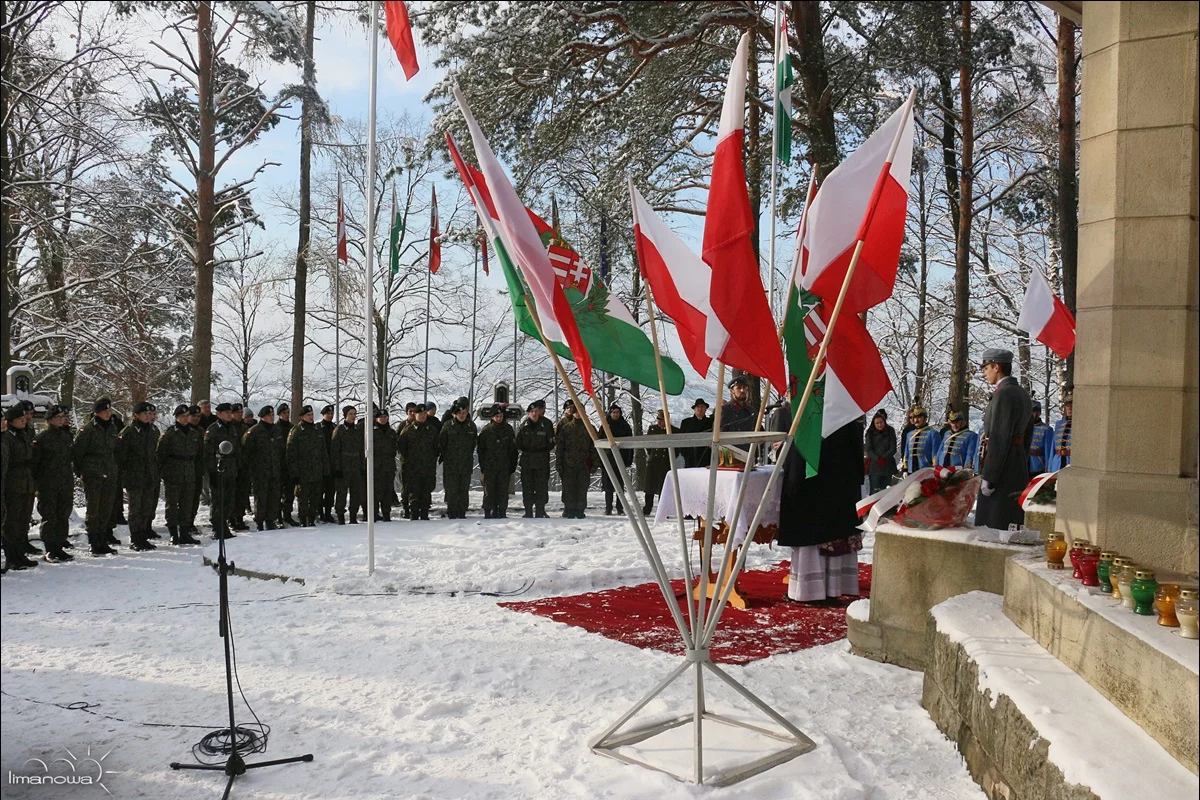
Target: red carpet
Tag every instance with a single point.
(770, 624)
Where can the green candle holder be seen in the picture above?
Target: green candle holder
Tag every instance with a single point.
(1104, 570)
(1143, 588)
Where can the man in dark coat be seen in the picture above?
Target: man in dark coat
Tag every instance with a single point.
(223, 472)
(738, 414)
(329, 485)
(287, 487)
(573, 452)
(384, 447)
(1007, 429)
(418, 444)
(207, 418)
(658, 464)
(176, 455)
(262, 447)
(55, 482)
(497, 462)
(699, 422)
(535, 440)
(349, 467)
(200, 489)
(93, 456)
(432, 417)
(137, 455)
(620, 428)
(880, 451)
(18, 491)
(410, 416)
(308, 464)
(456, 445)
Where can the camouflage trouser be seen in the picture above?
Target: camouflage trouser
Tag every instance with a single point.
(574, 490)
(457, 483)
(308, 497)
(179, 496)
(384, 481)
(55, 504)
(535, 486)
(224, 498)
(101, 504)
(420, 494)
(354, 488)
(199, 491)
(16, 520)
(495, 493)
(143, 502)
(266, 500)
(287, 497)
(243, 494)
(329, 494)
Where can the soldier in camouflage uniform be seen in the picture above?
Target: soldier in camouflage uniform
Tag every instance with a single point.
(410, 416)
(456, 444)
(224, 481)
(287, 489)
(535, 440)
(176, 455)
(261, 449)
(308, 464)
(497, 462)
(92, 455)
(241, 504)
(419, 446)
(55, 482)
(573, 458)
(329, 485)
(383, 453)
(348, 464)
(137, 449)
(18, 489)
(200, 489)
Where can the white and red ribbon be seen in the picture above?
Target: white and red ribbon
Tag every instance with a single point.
(1035, 486)
(884, 501)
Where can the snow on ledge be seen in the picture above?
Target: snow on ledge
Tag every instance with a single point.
(1091, 741)
(1042, 508)
(969, 536)
(859, 610)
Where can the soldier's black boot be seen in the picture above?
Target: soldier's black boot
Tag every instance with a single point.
(67, 545)
(99, 545)
(17, 559)
(341, 518)
(541, 512)
(528, 512)
(55, 554)
(185, 538)
(260, 524)
(174, 531)
(31, 549)
(150, 533)
(290, 520)
(139, 543)
(110, 537)
(353, 517)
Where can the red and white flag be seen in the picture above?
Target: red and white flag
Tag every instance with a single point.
(399, 33)
(343, 253)
(855, 377)
(1047, 318)
(525, 246)
(678, 278)
(435, 245)
(482, 239)
(740, 331)
(865, 197)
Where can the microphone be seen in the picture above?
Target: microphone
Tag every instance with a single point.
(225, 448)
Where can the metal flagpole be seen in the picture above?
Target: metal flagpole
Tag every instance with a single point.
(369, 356)
(337, 312)
(774, 170)
(474, 313)
(428, 288)
(512, 394)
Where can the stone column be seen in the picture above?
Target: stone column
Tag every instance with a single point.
(1132, 482)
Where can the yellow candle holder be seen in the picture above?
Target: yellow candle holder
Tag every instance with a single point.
(1056, 550)
(1164, 604)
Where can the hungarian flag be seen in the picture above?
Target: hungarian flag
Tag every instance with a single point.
(435, 246)
(525, 246)
(613, 339)
(397, 232)
(783, 94)
(678, 278)
(482, 240)
(864, 198)
(740, 332)
(399, 33)
(342, 250)
(1046, 318)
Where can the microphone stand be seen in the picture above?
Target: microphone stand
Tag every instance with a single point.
(236, 765)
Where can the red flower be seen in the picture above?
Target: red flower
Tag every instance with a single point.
(929, 487)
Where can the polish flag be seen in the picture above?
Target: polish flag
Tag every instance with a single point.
(399, 33)
(1046, 318)
(740, 331)
(343, 253)
(678, 278)
(523, 243)
(865, 198)
(435, 244)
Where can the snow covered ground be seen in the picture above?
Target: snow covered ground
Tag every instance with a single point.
(414, 683)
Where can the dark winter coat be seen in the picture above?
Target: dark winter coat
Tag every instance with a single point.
(658, 462)
(418, 444)
(94, 450)
(696, 456)
(822, 508)
(262, 447)
(346, 448)
(738, 417)
(222, 432)
(456, 445)
(621, 430)
(535, 440)
(137, 455)
(307, 454)
(18, 457)
(177, 454)
(52, 457)
(1008, 428)
(327, 428)
(573, 447)
(880, 450)
(384, 447)
(497, 449)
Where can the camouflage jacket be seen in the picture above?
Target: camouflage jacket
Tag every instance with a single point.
(346, 450)
(497, 449)
(262, 453)
(456, 445)
(307, 455)
(52, 457)
(384, 446)
(572, 446)
(535, 440)
(222, 432)
(178, 449)
(93, 452)
(418, 445)
(137, 454)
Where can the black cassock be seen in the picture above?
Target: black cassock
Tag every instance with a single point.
(1008, 428)
(821, 509)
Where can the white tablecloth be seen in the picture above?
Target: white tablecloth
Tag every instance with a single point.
(693, 492)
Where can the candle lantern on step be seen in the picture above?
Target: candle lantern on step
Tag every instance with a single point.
(1114, 575)
(1164, 604)
(1056, 549)
(1187, 611)
(1089, 563)
(1104, 570)
(1143, 587)
(1124, 580)
(1074, 553)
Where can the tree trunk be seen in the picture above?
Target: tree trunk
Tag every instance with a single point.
(300, 309)
(1068, 193)
(814, 81)
(959, 380)
(923, 287)
(8, 222)
(754, 173)
(202, 336)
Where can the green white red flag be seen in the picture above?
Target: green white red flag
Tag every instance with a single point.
(783, 92)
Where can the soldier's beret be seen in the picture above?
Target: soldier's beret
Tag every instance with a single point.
(328, 409)
(567, 406)
(740, 379)
(26, 405)
(997, 355)
(420, 408)
(58, 410)
(463, 401)
(282, 408)
(305, 410)
(699, 402)
(224, 407)
(14, 412)
(410, 407)
(235, 406)
(381, 412)
(265, 410)
(346, 410)
(956, 416)
(537, 404)
(1037, 406)
(181, 409)
(495, 409)
(431, 406)
(248, 414)
(194, 410)
(102, 404)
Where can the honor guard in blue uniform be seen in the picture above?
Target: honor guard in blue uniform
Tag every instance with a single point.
(1041, 444)
(921, 443)
(1060, 451)
(959, 447)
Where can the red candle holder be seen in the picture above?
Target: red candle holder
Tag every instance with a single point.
(1074, 553)
(1089, 562)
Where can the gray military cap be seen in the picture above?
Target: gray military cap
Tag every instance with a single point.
(997, 356)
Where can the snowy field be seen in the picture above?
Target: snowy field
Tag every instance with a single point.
(414, 683)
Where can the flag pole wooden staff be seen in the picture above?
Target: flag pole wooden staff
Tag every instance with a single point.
(818, 362)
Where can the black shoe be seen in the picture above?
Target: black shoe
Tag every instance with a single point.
(185, 538)
(354, 519)
(141, 545)
(111, 538)
(17, 561)
(260, 524)
(57, 554)
(341, 519)
(579, 515)
(100, 547)
(541, 513)
(67, 545)
(620, 509)
(152, 534)
(271, 525)
(238, 525)
(121, 520)
(31, 549)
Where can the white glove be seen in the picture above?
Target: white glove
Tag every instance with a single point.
(986, 489)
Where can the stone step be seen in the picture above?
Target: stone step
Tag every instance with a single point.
(1028, 727)
(1147, 671)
